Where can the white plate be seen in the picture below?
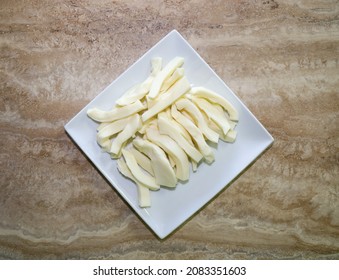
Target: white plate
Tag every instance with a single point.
(170, 208)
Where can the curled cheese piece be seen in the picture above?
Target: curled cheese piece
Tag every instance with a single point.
(129, 131)
(116, 113)
(163, 74)
(172, 149)
(112, 128)
(144, 195)
(216, 98)
(166, 127)
(169, 97)
(164, 173)
(141, 176)
(142, 160)
(177, 74)
(196, 134)
(196, 114)
(213, 113)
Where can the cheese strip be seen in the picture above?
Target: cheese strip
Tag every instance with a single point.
(222, 112)
(196, 134)
(102, 125)
(163, 74)
(213, 113)
(216, 98)
(129, 131)
(164, 173)
(116, 113)
(196, 114)
(104, 143)
(144, 195)
(194, 166)
(172, 149)
(177, 125)
(167, 128)
(144, 178)
(113, 128)
(230, 136)
(156, 63)
(169, 97)
(178, 74)
(135, 93)
(139, 91)
(142, 160)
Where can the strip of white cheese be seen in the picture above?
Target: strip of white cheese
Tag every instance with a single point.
(142, 160)
(169, 97)
(195, 113)
(135, 93)
(116, 113)
(196, 134)
(113, 128)
(128, 132)
(156, 63)
(216, 98)
(163, 171)
(213, 113)
(177, 74)
(167, 128)
(172, 149)
(141, 176)
(144, 195)
(163, 74)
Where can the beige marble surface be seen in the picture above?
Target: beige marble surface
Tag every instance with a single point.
(280, 57)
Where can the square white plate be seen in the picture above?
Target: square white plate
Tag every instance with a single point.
(170, 208)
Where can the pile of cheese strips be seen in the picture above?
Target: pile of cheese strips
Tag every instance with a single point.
(161, 127)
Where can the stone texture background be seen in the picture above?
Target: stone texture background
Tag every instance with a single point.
(280, 57)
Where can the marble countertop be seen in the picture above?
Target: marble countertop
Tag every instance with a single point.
(281, 59)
